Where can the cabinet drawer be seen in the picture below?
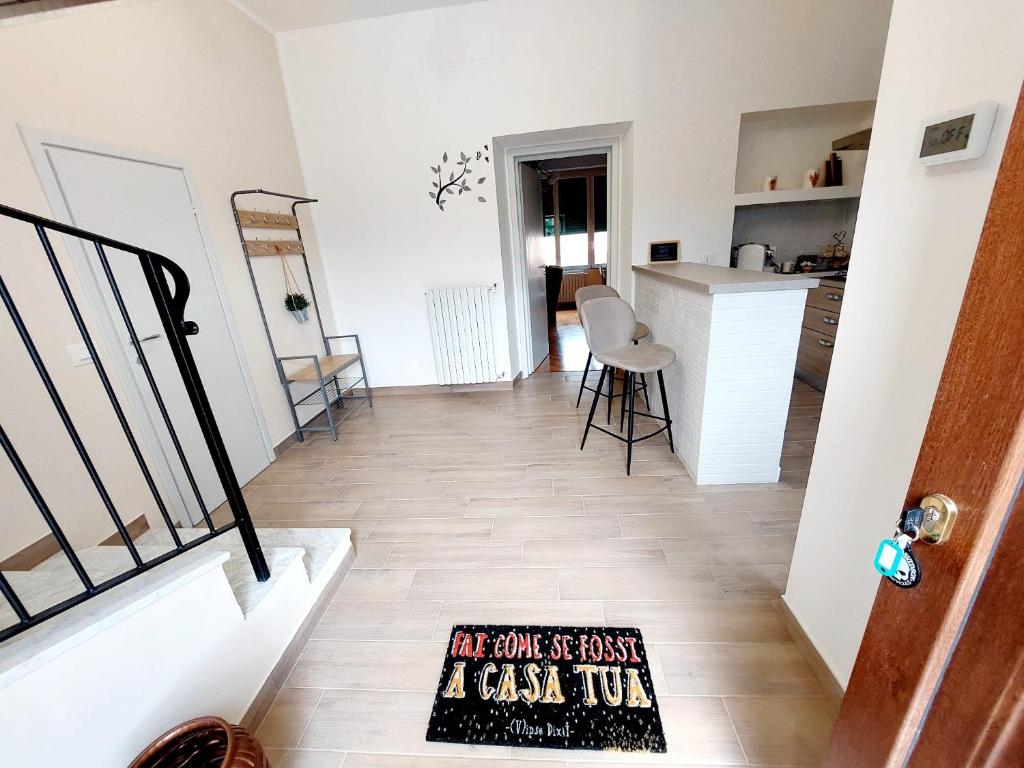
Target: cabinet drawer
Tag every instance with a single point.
(815, 353)
(825, 297)
(821, 320)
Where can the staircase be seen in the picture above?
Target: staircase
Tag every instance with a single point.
(198, 634)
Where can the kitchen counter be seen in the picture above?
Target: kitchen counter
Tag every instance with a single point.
(710, 278)
(735, 334)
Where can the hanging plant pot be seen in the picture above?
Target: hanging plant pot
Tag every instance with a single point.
(298, 305)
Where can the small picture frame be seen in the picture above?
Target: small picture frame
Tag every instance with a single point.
(663, 251)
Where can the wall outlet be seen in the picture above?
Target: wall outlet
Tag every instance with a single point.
(79, 354)
(706, 258)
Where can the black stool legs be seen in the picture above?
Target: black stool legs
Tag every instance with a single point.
(583, 383)
(628, 413)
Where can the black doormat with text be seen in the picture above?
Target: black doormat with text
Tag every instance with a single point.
(551, 687)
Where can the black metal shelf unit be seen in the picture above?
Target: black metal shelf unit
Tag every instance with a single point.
(333, 388)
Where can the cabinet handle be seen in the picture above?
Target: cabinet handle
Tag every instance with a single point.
(829, 321)
(834, 296)
(826, 344)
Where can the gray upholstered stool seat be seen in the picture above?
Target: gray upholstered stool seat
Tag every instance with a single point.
(641, 331)
(610, 327)
(644, 358)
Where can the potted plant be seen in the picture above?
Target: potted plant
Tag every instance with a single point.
(297, 304)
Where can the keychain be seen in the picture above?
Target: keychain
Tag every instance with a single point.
(894, 559)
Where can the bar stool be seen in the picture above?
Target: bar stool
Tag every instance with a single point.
(584, 295)
(609, 325)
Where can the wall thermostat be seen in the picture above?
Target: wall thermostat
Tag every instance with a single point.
(958, 135)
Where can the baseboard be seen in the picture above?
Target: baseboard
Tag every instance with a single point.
(135, 528)
(42, 550)
(817, 664)
(35, 553)
(279, 674)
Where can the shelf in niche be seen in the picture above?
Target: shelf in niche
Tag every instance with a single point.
(796, 195)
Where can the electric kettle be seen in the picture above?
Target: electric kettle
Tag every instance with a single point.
(756, 256)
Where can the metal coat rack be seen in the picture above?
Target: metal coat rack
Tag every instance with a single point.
(326, 372)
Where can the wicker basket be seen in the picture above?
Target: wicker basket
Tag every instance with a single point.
(206, 742)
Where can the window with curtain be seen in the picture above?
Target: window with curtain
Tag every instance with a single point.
(579, 200)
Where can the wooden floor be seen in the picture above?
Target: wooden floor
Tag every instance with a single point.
(481, 508)
(567, 345)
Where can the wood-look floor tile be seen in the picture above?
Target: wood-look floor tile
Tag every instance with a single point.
(391, 509)
(456, 554)
(423, 530)
(783, 730)
(755, 501)
(752, 580)
(636, 583)
(279, 476)
(535, 506)
(655, 503)
(372, 461)
(610, 486)
(379, 721)
(597, 552)
(434, 460)
(699, 620)
(378, 620)
(563, 528)
(521, 611)
(692, 525)
(731, 550)
(483, 473)
(380, 475)
(288, 717)
(487, 584)
(776, 522)
(389, 491)
(498, 489)
(375, 584)
(293, 493)
(303, 510)
(308, 758)
(421, 761)
(681, 483)
(570, 456)
(736, 669)
(371, 554)
(361, 664)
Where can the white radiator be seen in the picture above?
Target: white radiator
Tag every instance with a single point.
(460, 329)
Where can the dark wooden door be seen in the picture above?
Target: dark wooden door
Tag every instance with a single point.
(939, 679)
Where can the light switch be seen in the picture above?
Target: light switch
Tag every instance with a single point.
(79, 354)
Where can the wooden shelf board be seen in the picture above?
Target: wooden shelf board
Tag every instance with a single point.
(796, 195)
(328, 367)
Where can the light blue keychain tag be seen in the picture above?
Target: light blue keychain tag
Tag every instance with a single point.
(888, 557)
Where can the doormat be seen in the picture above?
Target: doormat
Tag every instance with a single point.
(551, 687)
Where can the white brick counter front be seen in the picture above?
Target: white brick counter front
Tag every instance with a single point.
(735, 334)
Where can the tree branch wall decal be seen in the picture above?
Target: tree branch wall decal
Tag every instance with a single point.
(457, 183)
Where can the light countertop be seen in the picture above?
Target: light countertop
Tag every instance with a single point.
(709, 278)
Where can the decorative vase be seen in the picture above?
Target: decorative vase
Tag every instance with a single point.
(300, 315)
(206, 742)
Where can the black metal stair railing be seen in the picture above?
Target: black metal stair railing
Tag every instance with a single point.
(170, 306)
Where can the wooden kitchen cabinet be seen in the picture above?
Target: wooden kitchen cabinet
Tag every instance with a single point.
(818, 335)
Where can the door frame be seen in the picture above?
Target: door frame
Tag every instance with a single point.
(509, 152)
(36, 142)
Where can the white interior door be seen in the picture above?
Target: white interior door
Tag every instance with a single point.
(533, 231)
(149, 204)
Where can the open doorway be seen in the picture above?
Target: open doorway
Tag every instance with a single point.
(565, 222)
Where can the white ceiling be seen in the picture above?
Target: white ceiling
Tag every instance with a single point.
(298, 14)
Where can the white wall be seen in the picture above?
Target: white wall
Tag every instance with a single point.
(375, 102)
(916, 238)
(194, 80)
